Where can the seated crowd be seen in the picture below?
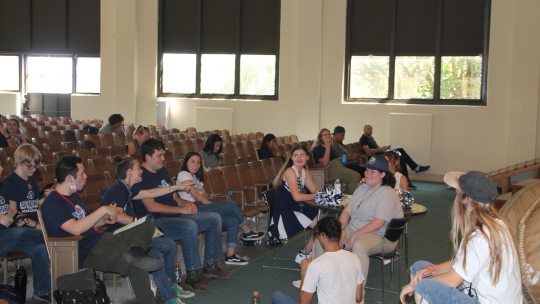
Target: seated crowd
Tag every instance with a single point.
(334, 261)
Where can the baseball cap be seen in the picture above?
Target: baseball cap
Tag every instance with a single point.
(377, 162)
(475, 184)
(338, 129)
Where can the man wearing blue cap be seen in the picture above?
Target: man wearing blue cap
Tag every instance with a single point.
(337, 138)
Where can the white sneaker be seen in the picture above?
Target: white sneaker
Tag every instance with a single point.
(300, 256)
(296, 283)
(387, 261)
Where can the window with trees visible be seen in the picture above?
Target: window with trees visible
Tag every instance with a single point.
(225, 49)
(417, 51)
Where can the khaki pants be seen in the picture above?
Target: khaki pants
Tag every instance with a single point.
(364, 246)
(345, 175)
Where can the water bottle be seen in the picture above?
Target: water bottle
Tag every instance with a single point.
(255, 298)
(337, 186)
(178, 272)
(20, 282)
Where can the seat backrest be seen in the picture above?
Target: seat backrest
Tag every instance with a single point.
(277, 163)
(248, 148)
(91, 202)
(100, 153)
(58, 155)
(294, 139)
(198, 144)
(225, 132)
(53, 136)
(257, 171)
(396, 227)
(279, 140)
(53, 147)
(245, 175)
(109, 177)
(226, 139)
(115, 150)
(163, 132)
(176, 149)
(252, 136)
(191, 129)
(58, 128)
(218, 132)
(106, 140)
(269, 196)
(168, 156)
(70, 146)
(259, 135)
(207, 134)
(87, 145)
(238, 149)
(8, 151)
(198, 135)
(47, 159)
(187, 146)
(227, 159)
(256, 144)
(228, 148)
(287, 147)
(83, 153)
(48, 173)
(173, 131)
(232, 178)
(359, 148)
(94, 138)
(68, 135)
(119, 140)
(95, 183)
(268, 168)
(138, 157)
(167, 138)
(173, 167)
(79, 134)
(236, 138)
(179, 136)
(217, 182)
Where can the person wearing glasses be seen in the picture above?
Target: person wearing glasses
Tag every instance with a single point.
(485, 266)
(336, 275)
(337, 142)
(393, 166)
(288, 217)
(20, 187)
(325, 154)
(371, 147)
(115, 125)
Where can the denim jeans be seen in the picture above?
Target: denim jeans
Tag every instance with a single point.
(186, 227)
(165, 250)
(30, 242)
(231, 217)
(436, 292)
(280, 297)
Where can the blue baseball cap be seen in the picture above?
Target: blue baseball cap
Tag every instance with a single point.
(377, 162)
(338, 130)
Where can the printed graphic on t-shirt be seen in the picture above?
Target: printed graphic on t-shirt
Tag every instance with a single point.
(3, 206)
(29, 206)
(164, 184)
(30, 195)
(79, 214)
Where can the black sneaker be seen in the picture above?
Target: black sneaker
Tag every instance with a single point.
(252, 236)
(44, 298)
(421, 169)
(412, 187)
(235, 260)
(138, 257)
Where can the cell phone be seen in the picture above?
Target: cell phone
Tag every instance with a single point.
(389, 147)
(20, 217)
(211, 197)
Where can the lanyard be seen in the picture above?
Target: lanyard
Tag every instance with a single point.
(73, 205)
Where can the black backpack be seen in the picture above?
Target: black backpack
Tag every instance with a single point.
(81, 287)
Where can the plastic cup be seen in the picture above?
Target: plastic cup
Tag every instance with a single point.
(343, 158)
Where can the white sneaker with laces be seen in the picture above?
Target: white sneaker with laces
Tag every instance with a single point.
(300, 256)
(296, 283)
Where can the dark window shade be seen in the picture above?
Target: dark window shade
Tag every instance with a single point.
(219, 26)
(49, 30)
(84, 25)
(371, 27)
(14, 25)
(416, 27)
(260, 26)
(180, 22)
(463, 27)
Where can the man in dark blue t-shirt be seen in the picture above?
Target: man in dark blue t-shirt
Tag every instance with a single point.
(370, 146)
(179, 219)
(28, 241)
(64, 215)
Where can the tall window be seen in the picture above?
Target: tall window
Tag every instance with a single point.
(9, 73)
(417, 51)
(219, 48)
(88, 75)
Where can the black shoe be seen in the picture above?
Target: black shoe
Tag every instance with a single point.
(421, 169)
(138, 257)
(412, 187)
(252, 236)
(235, 260)
(44, 298)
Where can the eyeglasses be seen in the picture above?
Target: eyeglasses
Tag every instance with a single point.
(327, 134)
(32, 167)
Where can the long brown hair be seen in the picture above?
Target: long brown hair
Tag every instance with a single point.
(393, 157)
(319, 141)
(474, 216)
(289, 163)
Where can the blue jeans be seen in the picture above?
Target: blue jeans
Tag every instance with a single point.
(231, 218)
(30, 242)
(165, 250)
(280, 297)
(436, 292)
(186, 227)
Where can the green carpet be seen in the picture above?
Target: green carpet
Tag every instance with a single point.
(428, 240)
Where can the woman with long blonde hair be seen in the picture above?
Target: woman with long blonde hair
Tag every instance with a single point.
(288, 217)
(140, 134)
(485, 268)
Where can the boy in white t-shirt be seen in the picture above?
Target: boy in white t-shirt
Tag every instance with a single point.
(336, 275)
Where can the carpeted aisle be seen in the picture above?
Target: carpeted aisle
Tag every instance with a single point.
(428, 240)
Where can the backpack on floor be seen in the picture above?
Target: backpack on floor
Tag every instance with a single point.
(82, 288)
(10, 294)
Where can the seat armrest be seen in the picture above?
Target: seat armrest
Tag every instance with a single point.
(102, 229)
(69, 238)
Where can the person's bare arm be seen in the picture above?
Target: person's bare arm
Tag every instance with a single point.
(78, 227)
(326, 158)
(131, 149)
(305, 297)
(151, 205)
(367, 150)
(157, 192)
(196, 195)
(359, 293)
(122, 218)
(368, 228)
(290, 178)
(310, 184)
(185, 204)
(344, 220)
(404, 183)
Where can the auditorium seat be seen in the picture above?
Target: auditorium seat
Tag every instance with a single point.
(279, 140)
(198, 144)
(187, 146)
(176, 149)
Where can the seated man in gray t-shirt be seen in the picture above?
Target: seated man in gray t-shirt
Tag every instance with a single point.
(115, 125)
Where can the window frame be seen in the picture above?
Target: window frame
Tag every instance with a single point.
(437, 76)
(198, 53)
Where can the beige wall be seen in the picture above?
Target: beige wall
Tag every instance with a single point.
(312, 57)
